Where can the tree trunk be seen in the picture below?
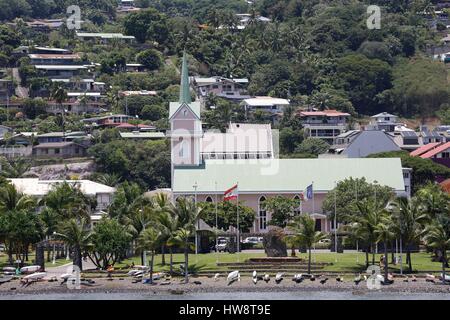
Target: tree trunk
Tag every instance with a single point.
(309, 261)
(171, 261)
(142, 259)
(373, 254)
(385, 262)
(408, 258)
(186, 253)
(293, 250)
(163, 255)
(393, 252)
(77, 258)
(48, 254)
(367, 257)
(444, 264)
(151, 266)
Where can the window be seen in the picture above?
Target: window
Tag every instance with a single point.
(262, 213)
(209, 199)
(407, 189)
(57, 151)
(181, 151)
(77, 150)
(185, 113)
(406, 175)
(446, 155)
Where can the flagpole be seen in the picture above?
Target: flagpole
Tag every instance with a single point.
(237, 215)
(217, 227)
(335, 221)
(314, 211)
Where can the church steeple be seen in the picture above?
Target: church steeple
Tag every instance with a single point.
(185, 94)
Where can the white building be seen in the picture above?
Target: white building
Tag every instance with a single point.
(40, 188)
(269, 104)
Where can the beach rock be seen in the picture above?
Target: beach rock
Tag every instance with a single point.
(79, 170)
(273, 243)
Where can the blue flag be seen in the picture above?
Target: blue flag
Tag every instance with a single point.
(309, 192)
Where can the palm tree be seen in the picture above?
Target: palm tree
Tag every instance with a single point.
(109, 179)
(49, 219)
(187, 213)
(13, 200)
(68, 201)
(408, 220)
(150, 240)
(365, 222)
(169, 227)
(137, 221)
(385, 234)
(437, 236)
(59, 94)
(303, 228)
(15, 168)
(76, 234)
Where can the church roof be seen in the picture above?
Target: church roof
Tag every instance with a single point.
(185, 93)
(286, 175)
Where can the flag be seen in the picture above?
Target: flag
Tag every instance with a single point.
(309, 192)
(231, 193)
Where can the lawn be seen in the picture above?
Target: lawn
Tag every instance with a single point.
(346, 262)
(58, 262)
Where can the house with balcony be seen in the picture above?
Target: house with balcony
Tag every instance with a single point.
(326, 125)
(384, 121)
(267, 104)
(233, 89)
(54, 59)
(109, 121)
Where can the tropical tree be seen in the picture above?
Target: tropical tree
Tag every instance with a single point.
(384, 232)
(408, 219)
(14, 168)
(59, 94)
(188, 214)
(304, 232)
(282, 209)
(437, 236)
(150, 240)
(50, 220)
(109, 242)
(365, 223)
(77, 235)
(137, 221)
(11, 200)
(168, 224)
(68, 201)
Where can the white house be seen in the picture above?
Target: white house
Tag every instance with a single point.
(269, 104)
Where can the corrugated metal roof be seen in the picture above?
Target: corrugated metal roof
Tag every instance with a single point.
(36, 187)
(286, 175)
(424, 149)
(436, 150)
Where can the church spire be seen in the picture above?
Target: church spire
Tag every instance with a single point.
(185, 94)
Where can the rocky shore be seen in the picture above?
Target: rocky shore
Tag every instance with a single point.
(209, 285)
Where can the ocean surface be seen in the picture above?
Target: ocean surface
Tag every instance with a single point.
(310, 295)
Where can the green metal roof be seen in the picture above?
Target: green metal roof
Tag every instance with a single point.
(185, 94)
(286, 175)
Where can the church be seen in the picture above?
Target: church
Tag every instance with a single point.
(206, 164)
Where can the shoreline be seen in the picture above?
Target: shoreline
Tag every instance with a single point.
(209, 286)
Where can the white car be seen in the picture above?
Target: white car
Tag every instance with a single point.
(324, 241)
(253, 240)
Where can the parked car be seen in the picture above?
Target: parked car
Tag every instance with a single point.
(2, 247)
(222, 245)
(324, 241)
(253, 240)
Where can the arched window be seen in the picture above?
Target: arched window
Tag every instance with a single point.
(181, 150)
(262, 214)
(209, 199)
(185, 113)
(298, 210)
